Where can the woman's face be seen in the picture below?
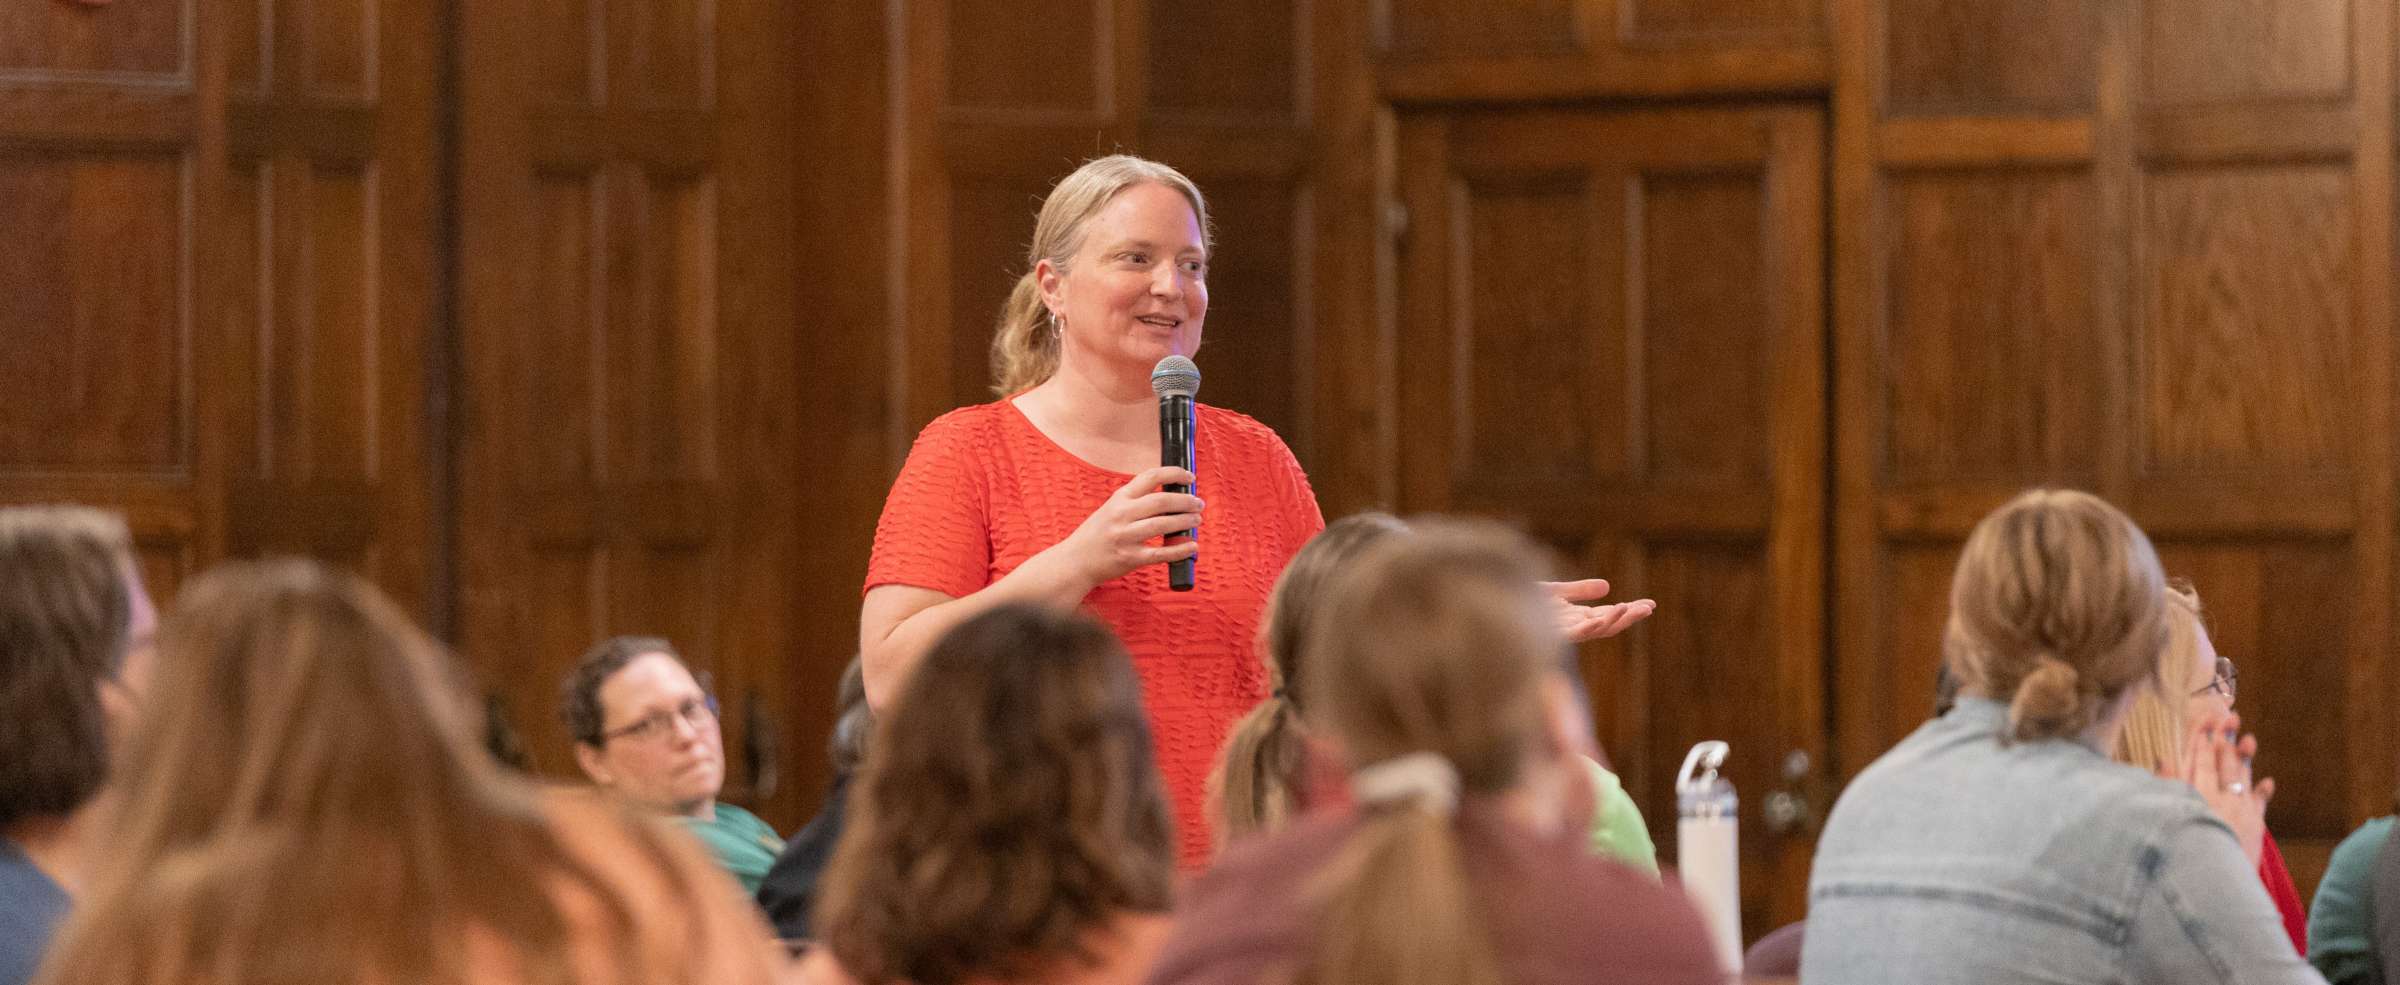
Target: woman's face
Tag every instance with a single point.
(1137, 288)
(2203, 702)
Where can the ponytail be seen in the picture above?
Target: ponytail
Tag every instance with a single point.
(1399, 894)
(1025, 344)
(2051, 702)
(1258, 782)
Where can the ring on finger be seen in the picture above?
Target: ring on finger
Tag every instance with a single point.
(2238, 787)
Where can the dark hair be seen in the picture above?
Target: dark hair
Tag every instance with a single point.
(1010, 807)
(65, 610)
(579, 697)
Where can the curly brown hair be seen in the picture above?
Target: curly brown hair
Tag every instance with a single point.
(1010, 806)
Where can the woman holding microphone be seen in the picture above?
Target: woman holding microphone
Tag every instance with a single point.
(1054, 494)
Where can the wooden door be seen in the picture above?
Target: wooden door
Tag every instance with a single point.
(2148, 252)
(111, 154)
(1612, 330)
(628, 358)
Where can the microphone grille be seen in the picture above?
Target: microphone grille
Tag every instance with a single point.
(1175, 376)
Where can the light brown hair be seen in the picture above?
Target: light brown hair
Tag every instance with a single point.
(1009, 807)
(1258, 780)
(65, 610)
(1437, 642)
(2152, 737)
(308, 802)
(1025, 343)
(2057, 607)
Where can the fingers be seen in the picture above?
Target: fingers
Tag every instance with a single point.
(1602, 622)
(1163, 503)
(1171, 552)
(1585, 590)
(2264, 792)
(1160, 526)
(1150, 480)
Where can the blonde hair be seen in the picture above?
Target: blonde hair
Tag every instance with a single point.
(308, 802)
(1436, 642)
(2057, 607)
(2152, 737)
(1257, 783)
(1024, 351)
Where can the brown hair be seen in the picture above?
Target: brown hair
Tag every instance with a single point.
(308, 802)
(579, 696)
(1257, 783)
(1024, 351)
(2057, 607)
(65, 610)
(2152, 737)
(1010, 806)
(1437, 642)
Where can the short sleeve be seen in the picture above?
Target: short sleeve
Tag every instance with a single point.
(1301, 513)
(935, 532)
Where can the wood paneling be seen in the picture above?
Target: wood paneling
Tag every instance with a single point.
(2017, 353)
(2143, 250)
(1942, 58)
(113, 44)
(627, 359)
(1594, 306)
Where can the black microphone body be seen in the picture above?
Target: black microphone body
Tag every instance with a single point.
(1176, 444)
(1177, 383)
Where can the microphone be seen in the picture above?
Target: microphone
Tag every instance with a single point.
(1177, 381)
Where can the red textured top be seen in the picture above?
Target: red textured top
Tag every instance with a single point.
(983, 490)
(2278, 880)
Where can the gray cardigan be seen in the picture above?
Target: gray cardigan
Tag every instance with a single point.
(1956, 858)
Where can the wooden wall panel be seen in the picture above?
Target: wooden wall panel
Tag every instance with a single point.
(2208, 51)
(2246, 319)
(1719, 20)
(331, 219)
(628, 365)
(2014, 345)
(1054, 58)
(1941, 58)
(1238, 60)
(56, 40)
(112, 157)
(97, 323)
(1455, 51)
(1575, 287)
(2150, 257)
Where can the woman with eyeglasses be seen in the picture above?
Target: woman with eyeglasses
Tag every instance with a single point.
(2190, 709)
(646, 731)
(308, 799)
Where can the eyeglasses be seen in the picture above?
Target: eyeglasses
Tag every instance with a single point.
(696, 712)
(2222, 683)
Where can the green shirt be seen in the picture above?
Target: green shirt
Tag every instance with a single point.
(2341, 925)
(741, 842)
(1617, 829)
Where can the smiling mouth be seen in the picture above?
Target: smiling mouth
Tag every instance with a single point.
(1161, 321)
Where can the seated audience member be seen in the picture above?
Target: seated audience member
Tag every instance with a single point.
(646, 731)
(1998, 843)
(789, 891)
(2193, 695)
(307, 800)
(1011, 825)
(75, 630)
(1434, 670)
(2347, 927)
(1265, 776)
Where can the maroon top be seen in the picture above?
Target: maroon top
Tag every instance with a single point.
(1557, 914)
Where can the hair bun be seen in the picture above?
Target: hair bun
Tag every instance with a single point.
(2049, 702)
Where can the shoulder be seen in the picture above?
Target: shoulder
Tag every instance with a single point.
(965, 428)
(2361, 846)
(1234, 431)
(742, 820)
